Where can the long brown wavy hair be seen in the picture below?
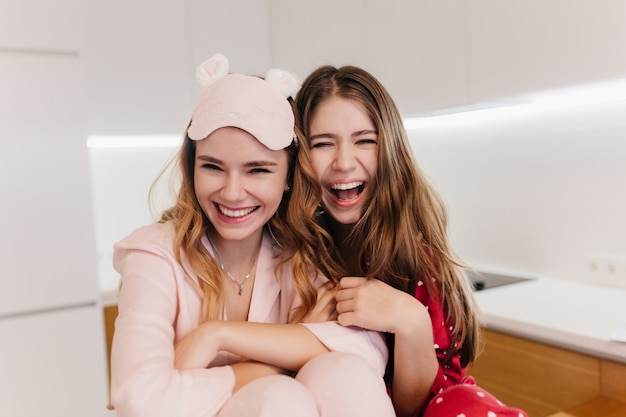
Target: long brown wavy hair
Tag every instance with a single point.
(403, 229)
(292, 228)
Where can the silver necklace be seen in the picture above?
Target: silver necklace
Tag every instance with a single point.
(228, 274)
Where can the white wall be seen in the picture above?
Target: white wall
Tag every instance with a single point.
(534, 195)
(121, 180)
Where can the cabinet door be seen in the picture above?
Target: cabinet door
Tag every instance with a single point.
(41, 25)
(239, 29)
(416, 49)
(47, 248)
(313, 33)
(53, 364)
(139, 73)
(519, 46)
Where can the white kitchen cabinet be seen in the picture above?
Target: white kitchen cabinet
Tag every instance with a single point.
(433, 55)
(52, 356)
(239, 29)
(41, 25)
(137, 67)
(416, 49)
(141, 58)
(308, 34)
(53, 364)
(520, 46)
(47, 240)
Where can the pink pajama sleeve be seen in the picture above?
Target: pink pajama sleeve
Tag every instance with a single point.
(144, 380)
(367, 344)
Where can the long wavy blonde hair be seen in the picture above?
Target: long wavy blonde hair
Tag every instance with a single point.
(292, 227)
(402, 231)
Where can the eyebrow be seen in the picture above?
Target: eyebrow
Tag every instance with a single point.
(354, 135)
(251, 164)
(364, 132)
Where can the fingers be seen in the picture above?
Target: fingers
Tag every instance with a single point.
(326, 296)
(324, 309)
(326, 290)
(328, 285)
(348, 288)
(338, 302)
(351, 282)
(344, 295)
(347, 319)
(332, 314)
(345, 306)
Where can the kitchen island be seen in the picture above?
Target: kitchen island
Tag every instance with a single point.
(549, 345)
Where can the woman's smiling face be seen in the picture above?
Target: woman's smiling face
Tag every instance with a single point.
(344, 149)
(239, 183)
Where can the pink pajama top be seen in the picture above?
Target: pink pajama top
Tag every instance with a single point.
(158, 306)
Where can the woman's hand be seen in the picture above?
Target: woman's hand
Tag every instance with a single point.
(374, 305)
(198, 348)
(324, 309)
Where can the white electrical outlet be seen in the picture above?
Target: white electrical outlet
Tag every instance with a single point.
(605, 269)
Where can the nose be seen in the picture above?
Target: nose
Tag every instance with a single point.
(345, 159)
(234, 188)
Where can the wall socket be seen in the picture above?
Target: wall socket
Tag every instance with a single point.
(605, 269)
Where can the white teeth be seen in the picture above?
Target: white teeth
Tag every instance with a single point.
(235, 213)
(347, 186)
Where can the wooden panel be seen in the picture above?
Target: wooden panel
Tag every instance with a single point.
(537, 378)
(110, 314)
(613, 380)
(599, 407)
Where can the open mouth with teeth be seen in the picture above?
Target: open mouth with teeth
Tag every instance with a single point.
(238, 213)
(347, 191)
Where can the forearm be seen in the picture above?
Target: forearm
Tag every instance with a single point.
(415, 364)
(287, 346)
(246, 372)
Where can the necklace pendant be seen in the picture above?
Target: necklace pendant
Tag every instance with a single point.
(228, 274)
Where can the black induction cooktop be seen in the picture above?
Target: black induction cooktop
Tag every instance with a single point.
(486, 280)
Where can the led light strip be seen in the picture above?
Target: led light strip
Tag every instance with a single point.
(524, 106)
